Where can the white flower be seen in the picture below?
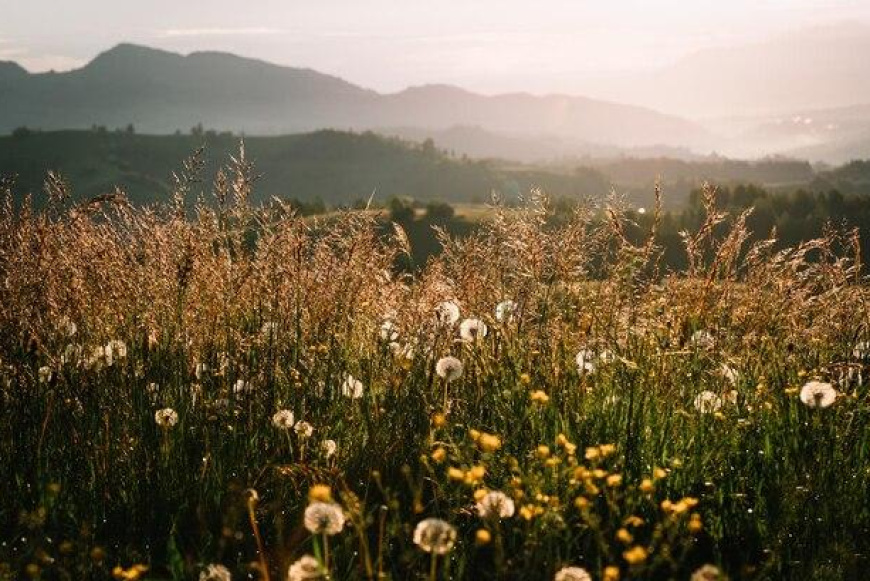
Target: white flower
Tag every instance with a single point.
(45, 374)
(324, 518)
(572, 574)
(328, 447)
(861, 350)
(447, 313)
(389, 331)
(434, 535)
(116, 349)
(283, 419)
(449, 368)
(166, 418)
(305, 569)
(495, 504)
(352, 388)
(471, 330)
(505, 310)
(585, 360)
(304, 429)
(707, 573)
(707, 402)
(215, 572)
(702, 339)
(817, 394)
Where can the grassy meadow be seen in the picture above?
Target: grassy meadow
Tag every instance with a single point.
(223, 391)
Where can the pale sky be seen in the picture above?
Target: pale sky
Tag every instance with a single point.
(485, 45)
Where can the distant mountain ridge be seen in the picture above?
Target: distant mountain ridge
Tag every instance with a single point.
(161, 92)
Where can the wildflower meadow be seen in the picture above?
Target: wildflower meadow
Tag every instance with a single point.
(209, 390)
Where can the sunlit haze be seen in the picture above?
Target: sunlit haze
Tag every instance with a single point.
(488, 46)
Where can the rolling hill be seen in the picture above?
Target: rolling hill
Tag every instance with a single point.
(161, 92)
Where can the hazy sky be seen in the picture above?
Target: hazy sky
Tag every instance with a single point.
(486, 45)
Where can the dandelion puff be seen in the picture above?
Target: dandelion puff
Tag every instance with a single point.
(495, 504)
(449, 368)
(472, 330)
(283, 419)
(215, 572)
(447, 313)
(585, 360)
(707, 402)
(329, 448)
(305, 569)
(72, 354)
(434, 535)
(304, 429)
(166, 418)
(405, 350)
(707, 573)
(388, 331)
(505, 311)
(818, 394)
(572, 574)
(324, 518)
(352, 387)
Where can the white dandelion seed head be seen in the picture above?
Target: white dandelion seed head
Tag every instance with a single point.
(388, 331)
(329, 448)
(304, 429)
(447, 313)
(434, 535)
(505, 311)
(166, 418)
(707, 573)
(449, 368)
(352, 387)
(572, 574)
(324, 518)
(495, 504)
(818, 394)
(305, 569)
(585, 360)
(283, 419)
(707, 402)
(472, 330)
(215, 572)
(45, 374)
(702, 339)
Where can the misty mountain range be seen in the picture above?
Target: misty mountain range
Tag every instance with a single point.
(162, 92)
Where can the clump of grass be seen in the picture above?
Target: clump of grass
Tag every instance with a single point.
(182, 382)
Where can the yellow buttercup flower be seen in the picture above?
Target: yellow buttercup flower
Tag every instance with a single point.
(635, 555)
